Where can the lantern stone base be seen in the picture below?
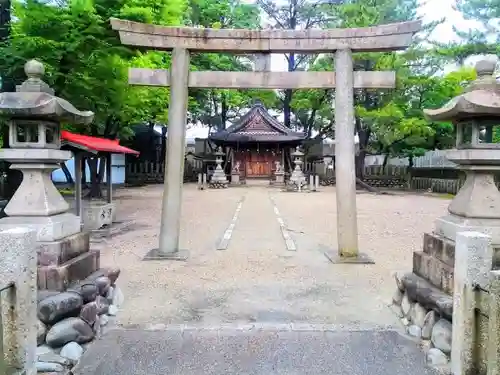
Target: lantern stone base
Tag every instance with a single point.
(55, 253)
(279, 179)
(235, 179)
(98, 214)
(49, 228)
(448, 226)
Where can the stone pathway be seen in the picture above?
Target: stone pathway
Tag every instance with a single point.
(260, 277)
(254, 351)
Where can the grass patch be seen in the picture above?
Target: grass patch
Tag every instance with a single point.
(66, 191)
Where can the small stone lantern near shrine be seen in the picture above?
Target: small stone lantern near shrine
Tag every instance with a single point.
(34, 116)
(297, 179)
(475, 113)
(219, 179)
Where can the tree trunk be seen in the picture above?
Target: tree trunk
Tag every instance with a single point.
(102, 168)
(384, 163)
(95, 186)
(67, 174)
(360, 164)
(84, 172)
(287, 109)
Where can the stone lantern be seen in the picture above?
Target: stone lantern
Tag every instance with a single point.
(34, 116)
(297, 178)
(219, 177)
(474, 113)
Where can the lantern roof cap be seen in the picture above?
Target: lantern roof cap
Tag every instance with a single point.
(35, 99)
(481, 98)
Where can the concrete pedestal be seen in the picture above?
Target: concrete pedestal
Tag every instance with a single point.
(96, 215)
(235, 178)
(448, 226)
(48, 228)
(279, 179)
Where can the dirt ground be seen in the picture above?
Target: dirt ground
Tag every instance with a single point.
(256, 279)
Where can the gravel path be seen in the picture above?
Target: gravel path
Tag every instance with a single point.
(256, 278)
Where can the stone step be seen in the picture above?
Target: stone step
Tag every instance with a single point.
(433, 270)
(232, 351)
(439, 247)
(58, 252)
(74, 270)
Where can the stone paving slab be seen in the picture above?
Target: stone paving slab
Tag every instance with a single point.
(252, 350)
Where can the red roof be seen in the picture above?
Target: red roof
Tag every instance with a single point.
(96, 143)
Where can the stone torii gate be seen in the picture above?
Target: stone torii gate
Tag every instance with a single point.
(182, 40)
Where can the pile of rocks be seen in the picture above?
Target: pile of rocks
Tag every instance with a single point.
(68, 321)
(217, 185)
(327, 181)
(426, 315)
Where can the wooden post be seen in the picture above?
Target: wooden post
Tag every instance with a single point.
(176, 144)
(473, 262)
(109, 180)
(78, 185)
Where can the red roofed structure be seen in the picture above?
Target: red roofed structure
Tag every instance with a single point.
(94, 144)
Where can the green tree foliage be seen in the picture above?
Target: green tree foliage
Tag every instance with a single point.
(84, 59)
(214, 107)
(297, 15)
(390, 122)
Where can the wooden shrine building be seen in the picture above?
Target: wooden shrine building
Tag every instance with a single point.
(257, 141)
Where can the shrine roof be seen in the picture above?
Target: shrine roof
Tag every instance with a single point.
(94, 144)
(257, 125)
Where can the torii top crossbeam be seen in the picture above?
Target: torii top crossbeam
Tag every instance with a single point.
(388, 37)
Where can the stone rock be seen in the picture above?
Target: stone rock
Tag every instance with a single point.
(103, 283)
(118, 297)
(415, 331)
(436, 357)
(109, 294)
(396, 310)
(89, 292)
(441, 335)
(405, 321)
(67, 330)
(98, 329)
(417, 314)
(425, 345)
(55, 308)
(102, 305)
(113, 274)
(42, 294)
(398, 276)
(55, 358)
(44, 349)
(430, 319)
(420, 290)
(405, 305)
(89, 313)
(41, 331)
(73, 351)
(49, 367)
(113, 310)
(103, 320)
(397, 297)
